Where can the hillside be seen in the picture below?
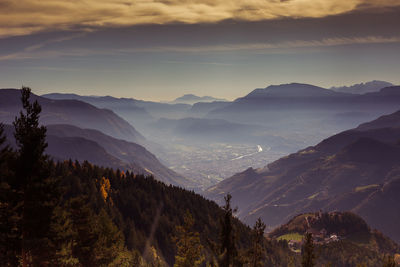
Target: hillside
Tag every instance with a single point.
(392, 120)
(341, 238)
(353, 170)
(70, 142)
(72, 112)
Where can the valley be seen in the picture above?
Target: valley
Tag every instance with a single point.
(209, 164)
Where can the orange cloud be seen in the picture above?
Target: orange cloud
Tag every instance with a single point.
(29, 16)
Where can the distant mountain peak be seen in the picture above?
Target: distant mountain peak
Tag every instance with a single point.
(192, 98)
(362, 88)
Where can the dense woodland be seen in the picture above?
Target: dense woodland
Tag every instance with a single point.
(78, 214)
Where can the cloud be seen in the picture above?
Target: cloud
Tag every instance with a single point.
(36, 51)
(28, 16)
(32, 51)
(326, 42)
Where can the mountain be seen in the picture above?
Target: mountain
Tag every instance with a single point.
(72, 112)
(70, 142)
(362, 88)
(354, 170)
(305, 97)
(292, 90)
(340, 237)
(192, 99)
(133, 110)
(124, 107)
(311, 112)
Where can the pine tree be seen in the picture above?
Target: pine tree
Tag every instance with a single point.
(228, 250)
(257, 252)
(190, 250)
(308, 256)
(65, 237)
(34, 183)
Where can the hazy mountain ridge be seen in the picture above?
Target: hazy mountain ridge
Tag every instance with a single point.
(298, 105)
(108, 149)
(362, 88)
(347, 171)
(192, 99)
(382, 122)
(73, 112)
(70, 142)
(296, 90)
(312, 112)
(306, 93)
(129, 107)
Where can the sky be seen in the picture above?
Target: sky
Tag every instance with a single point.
(160, 50)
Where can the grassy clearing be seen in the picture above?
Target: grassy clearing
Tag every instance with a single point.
(291, 236)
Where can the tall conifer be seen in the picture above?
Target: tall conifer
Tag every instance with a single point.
(34, 183)
(228, 248)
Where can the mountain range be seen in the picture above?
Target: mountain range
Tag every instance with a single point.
(133, 110)
(71, 142)
(307, 110)
(72, 112)
(356, 170)
(90, 133)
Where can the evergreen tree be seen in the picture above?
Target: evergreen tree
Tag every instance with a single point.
(307, 253)
(189, 248)
(228, 250)
(34, 184)
(257, 251)
(65, 238)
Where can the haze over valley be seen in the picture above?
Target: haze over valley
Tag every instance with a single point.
(212, 143)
